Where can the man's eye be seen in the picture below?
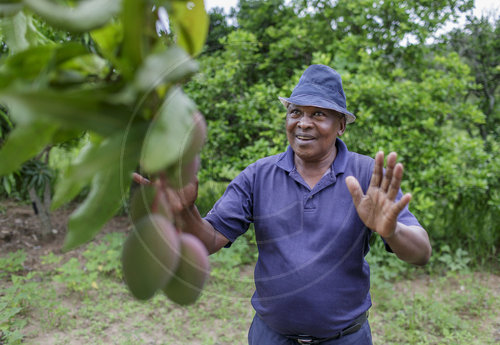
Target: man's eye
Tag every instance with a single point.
(319, 114)
(295, 112)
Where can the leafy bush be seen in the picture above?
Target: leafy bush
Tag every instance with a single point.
(208, 194)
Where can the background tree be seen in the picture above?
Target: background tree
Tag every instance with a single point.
(219, 28)
(410, 96)
(478, 43)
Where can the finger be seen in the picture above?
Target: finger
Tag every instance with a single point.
(189, 193)
(377, 170)
(391, 162)
(173, 200)
(140, 179)
(354, 189)
(401, 204)
(395, 182)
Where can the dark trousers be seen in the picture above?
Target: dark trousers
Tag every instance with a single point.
(261, 334)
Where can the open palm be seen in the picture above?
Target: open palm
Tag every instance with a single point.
(378, 208)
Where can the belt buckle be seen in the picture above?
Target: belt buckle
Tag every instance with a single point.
(306, 341)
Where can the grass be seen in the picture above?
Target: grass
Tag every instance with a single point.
(81, 300)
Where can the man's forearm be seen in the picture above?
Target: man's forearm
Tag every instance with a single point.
(191, 222)
(410, 244)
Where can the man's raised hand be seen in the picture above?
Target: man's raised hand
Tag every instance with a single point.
(378, 208)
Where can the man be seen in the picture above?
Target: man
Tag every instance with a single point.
(314, 208)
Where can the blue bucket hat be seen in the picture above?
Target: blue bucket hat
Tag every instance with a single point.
(320, 86)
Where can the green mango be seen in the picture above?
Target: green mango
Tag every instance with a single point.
(186, 285)
(150, 255)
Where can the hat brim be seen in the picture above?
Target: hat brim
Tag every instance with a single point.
(314, 101)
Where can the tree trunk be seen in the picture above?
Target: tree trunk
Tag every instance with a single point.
(43, 213)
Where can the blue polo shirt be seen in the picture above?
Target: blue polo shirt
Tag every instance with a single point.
(311, 275)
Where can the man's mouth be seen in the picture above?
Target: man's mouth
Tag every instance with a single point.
(304, 137)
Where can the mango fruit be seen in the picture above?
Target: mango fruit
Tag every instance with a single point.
(148, 199)
(186, 285)
(141, 202)
(180, 175)
(150, 255)
(198, 137)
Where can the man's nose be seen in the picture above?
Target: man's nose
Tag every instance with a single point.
(305, 122)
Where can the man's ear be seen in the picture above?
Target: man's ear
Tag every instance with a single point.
(343, 125)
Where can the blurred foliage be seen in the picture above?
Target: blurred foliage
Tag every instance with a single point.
(100, 67)
(431, 99)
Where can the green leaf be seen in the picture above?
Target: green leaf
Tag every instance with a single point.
(86, 65)
(68, 187)
(100, 205)
(133, 17)
(95, 157)
(109, 186)
(10, 9)
(169, 133)
(23, 143)
(169, 66)
(77, 109)
(19, 32)
(13, 30)
(35, 61)
(86, 16)
(108, 40)
(190, 22)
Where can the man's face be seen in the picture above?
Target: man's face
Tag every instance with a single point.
(312, 131)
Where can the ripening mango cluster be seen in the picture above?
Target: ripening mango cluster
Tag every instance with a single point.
(158, 256)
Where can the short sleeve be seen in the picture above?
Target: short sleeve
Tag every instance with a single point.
(232, 213)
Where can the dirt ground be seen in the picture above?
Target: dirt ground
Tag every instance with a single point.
(19, 229)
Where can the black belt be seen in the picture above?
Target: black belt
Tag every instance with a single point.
(353, 327)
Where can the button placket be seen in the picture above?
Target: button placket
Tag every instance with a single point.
(309, 201)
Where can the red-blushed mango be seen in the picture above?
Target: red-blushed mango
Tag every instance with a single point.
(184, 171)
(180, 175)
(186, 285)
(141, 202)
(198, 137)
(148, 199)
(150, 255)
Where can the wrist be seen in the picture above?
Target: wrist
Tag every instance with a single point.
(393, 234)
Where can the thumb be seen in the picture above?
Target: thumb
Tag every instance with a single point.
(354, 188)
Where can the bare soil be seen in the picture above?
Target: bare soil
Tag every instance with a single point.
(20, 229)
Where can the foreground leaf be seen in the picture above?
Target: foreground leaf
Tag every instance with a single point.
(170, 132)
(191, 22)
(23, 143)
(88, 15)
(95, 157)
(32, 63)
(134, 23)
(101, 204)
(169, 66)
(81, 109)
(108, 190)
